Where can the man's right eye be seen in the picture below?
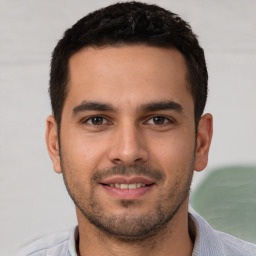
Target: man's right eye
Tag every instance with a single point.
(96, 120)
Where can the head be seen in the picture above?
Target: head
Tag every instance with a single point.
(130, 23)
(128, 87)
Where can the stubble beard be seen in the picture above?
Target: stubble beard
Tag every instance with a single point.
(128, 226)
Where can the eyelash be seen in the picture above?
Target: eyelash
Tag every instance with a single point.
(167, 120)
(86, 121)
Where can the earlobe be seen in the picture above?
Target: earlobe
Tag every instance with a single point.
(51, 137)
(204, 137)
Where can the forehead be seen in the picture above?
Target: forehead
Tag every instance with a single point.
(127, 74)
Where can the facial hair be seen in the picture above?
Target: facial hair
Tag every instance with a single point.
(130, 226)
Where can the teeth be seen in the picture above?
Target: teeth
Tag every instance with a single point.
(127, 186)
(124, 186)
(132, 186)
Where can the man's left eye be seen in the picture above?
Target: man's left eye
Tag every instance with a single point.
(158, 120)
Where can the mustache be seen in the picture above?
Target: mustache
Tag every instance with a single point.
(123, 170)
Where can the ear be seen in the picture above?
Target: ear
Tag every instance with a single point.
(204, 137)
(51, 137)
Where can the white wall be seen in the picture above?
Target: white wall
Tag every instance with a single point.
(33, 200)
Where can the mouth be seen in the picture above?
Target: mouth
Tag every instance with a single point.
(127, 188)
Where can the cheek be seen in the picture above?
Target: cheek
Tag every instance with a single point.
(173, 151)
(82, 152)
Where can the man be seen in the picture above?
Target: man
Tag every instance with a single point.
(128, 87)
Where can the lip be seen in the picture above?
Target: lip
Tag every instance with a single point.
(127, 180)
(127, 194)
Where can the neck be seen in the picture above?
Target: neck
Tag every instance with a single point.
(174, 239)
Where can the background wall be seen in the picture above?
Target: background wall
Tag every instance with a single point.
(33, 199)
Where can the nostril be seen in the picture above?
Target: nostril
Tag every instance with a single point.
(117, 161)
(128, 155)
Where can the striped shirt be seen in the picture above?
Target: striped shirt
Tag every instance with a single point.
(208, 242)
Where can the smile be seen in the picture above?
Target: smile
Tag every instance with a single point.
(127, 186)
(124, 187)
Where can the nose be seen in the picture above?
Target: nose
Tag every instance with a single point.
(128, 146)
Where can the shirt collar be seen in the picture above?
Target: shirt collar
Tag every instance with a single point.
(73, 241)
(206, 241)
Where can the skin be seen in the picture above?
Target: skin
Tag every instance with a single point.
(127, 135)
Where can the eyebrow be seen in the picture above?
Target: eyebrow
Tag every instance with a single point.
(149, 107)
(96, 106)
(161, 105)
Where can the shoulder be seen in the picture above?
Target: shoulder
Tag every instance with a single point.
(54, 244)
(209, 241)
(234, 246)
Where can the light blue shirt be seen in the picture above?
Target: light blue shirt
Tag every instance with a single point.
(208, 242)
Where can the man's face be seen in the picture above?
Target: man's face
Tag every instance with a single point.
(128, 143)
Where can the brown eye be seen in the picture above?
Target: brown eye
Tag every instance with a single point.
(96, 120)
(159, 120)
